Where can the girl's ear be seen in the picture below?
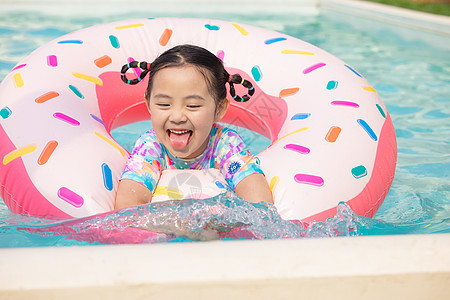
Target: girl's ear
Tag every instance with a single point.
(147, 101)
(222, 110)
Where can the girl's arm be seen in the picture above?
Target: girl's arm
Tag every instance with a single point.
(132, 193)
(254, 188)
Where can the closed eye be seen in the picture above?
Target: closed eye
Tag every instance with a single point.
(163, 105)
(194, 106)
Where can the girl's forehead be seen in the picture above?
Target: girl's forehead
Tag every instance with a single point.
(181, 83)
(180, 74)
(187, 68)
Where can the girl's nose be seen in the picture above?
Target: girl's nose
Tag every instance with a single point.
(177, 116)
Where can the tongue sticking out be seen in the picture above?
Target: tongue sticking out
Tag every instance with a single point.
(179, 140)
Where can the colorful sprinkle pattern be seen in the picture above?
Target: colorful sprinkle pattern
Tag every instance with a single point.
(5, 112)
(52, 61)
(45, 97)
(70, 197)
(299, 140)
(47, 152)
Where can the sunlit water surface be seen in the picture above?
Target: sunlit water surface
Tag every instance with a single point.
(412, 77)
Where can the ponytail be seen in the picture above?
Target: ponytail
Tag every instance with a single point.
(143, 65)
(237, 79)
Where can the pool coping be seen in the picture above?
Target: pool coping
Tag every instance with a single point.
(372, 267)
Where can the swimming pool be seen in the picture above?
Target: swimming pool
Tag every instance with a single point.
(402, 266)
(411, 75)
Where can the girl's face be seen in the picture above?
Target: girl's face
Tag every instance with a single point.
(182, 110)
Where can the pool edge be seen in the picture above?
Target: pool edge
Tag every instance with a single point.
(401, 266)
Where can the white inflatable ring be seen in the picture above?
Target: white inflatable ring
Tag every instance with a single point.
(332, 138)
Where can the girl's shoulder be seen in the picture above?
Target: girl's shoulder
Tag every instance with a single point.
(148, 136)
(225, 135)
(220, 130)
(147, 140)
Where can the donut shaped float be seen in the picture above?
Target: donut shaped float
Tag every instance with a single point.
(332, 137)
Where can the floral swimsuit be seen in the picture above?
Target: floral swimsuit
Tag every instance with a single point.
(225, 151)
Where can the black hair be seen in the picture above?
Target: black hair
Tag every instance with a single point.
(206, 63)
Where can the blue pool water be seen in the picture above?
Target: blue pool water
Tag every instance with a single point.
(411, 76)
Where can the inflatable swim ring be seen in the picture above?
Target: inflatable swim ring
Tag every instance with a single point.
(332, 137)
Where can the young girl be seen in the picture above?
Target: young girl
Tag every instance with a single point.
(186, 96)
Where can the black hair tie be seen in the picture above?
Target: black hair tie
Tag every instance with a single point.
(237, 79)
(134, 64)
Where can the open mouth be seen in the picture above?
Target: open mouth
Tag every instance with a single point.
(179, 138)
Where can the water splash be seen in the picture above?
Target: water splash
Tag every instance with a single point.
(225, 216)
(222, 217)
(344, 223)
